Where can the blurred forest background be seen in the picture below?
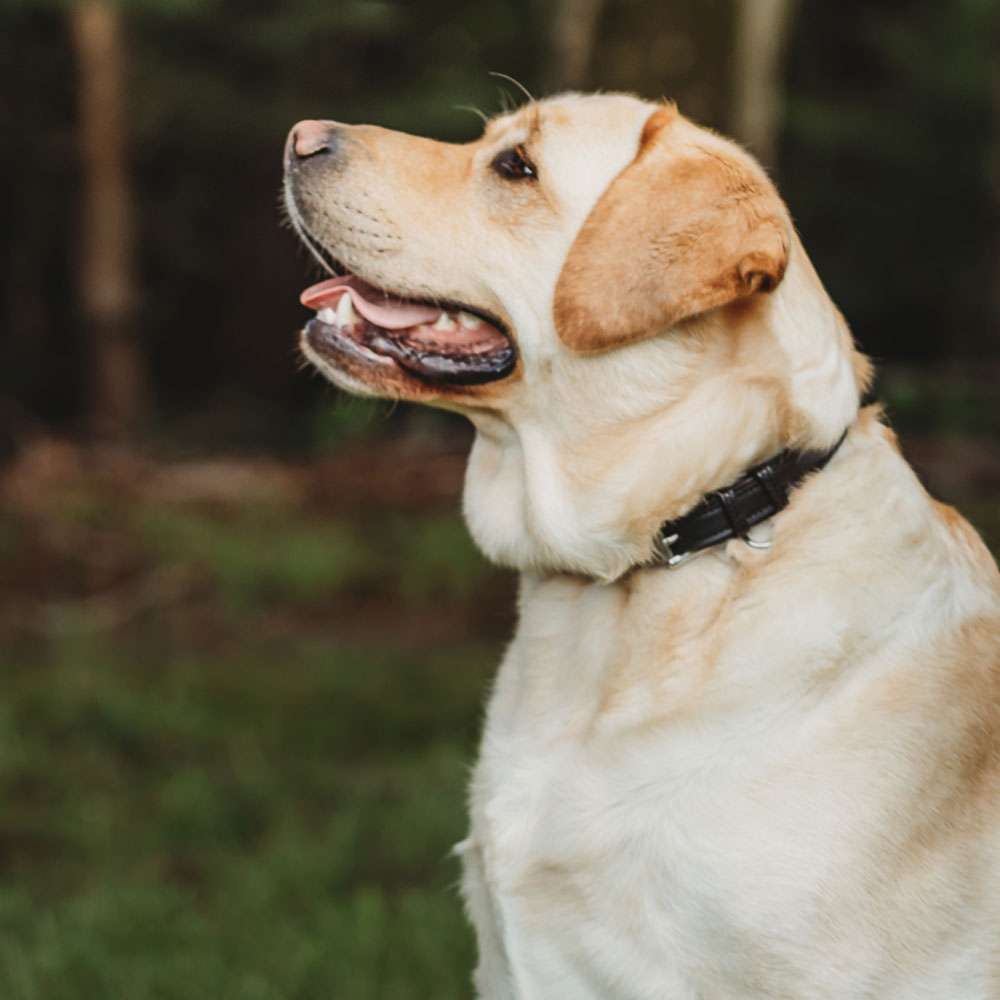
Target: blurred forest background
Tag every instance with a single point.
(244, 637)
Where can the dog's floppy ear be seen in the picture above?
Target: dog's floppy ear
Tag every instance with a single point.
(686, 227)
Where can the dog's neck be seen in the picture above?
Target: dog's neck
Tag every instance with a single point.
(578, 476)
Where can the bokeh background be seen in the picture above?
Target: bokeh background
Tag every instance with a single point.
(244, 637)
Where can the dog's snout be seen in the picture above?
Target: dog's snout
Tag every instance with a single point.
(310, 139)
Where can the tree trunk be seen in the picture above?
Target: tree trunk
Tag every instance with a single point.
(762, 30)
(107, 279)
(574, 28)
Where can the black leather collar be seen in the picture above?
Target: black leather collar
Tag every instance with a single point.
(733, 510)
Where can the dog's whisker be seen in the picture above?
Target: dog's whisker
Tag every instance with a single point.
(517, 83)
(473, 110)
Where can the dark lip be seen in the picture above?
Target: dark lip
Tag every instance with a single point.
(429, 367)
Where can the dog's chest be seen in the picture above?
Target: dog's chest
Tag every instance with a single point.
(641, 827)
(604, 832)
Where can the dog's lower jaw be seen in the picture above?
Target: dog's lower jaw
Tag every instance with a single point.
(336, 375)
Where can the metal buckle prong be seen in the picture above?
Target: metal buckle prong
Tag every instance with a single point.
(662, 545)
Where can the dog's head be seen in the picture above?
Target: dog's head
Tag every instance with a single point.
(577, 224)
(588, 264)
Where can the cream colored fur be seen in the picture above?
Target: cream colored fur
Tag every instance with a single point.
(763, 774)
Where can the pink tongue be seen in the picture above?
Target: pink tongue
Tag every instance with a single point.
(378, 308)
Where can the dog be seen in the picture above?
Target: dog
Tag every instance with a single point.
(745, 742)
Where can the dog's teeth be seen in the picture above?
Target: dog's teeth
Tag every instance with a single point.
(345, 311)
(444, 322)
(468, 320)
(327, 316)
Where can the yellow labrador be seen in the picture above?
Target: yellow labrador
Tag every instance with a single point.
(746, 740)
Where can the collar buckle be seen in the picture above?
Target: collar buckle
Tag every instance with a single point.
(664, 554)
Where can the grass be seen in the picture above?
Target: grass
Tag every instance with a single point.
(248, 789)
(258, 556)
(272, 823)
(262, 555)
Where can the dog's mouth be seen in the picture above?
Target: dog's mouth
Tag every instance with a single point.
(449, 343)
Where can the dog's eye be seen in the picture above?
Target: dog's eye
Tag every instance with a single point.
(514, 164)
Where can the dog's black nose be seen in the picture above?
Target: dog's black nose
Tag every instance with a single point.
(311, 138)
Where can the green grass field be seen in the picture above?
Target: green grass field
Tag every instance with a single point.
(270, 820)
(241, 774)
